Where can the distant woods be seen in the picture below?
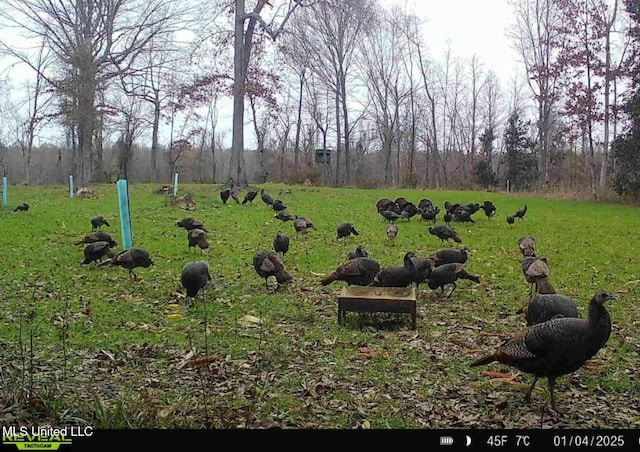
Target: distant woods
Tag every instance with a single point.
(136, 89)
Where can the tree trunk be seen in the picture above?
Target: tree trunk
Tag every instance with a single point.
(338, 140)
(154, 135)
(237, 173)
(296, 147)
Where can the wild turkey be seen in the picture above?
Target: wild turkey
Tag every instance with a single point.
(448, 274)
(536, 272)
(96, 251)
(195, 276)
(268, 263)
(430, 213)
(521, 213)
(234, 192)
(97, 236)
(278, 205)
(390, 215)
(511, 220)
(266, 197)
(281, 244)
(250, 196)
(98, 221)
(449, 256)
(224, 195)
(489, 209)
(300, 226)
(401, 203)
(527, 245)
(345, 230)
(359, 272)
(392, 232)
(448, 217)
(462, 216)
(409, 211)
(191, 223)
(556, 347)
(308, 223)
(359, 251)
(383, 204)
(283, 215)
(130, 258)
(424, 203)
(22, 207)
(404, 275)
(444, 232)
(197, 238)
(545, 307)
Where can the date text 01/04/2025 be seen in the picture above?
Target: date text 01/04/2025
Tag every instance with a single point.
(594, 439)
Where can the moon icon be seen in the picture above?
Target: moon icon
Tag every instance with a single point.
(468, 440)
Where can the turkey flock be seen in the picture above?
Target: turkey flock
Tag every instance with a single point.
(553, 341)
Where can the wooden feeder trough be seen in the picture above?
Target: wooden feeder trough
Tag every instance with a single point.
(377, 299)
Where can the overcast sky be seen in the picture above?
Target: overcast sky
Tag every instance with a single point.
(468, 27)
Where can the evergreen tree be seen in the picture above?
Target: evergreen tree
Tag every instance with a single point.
(483, 172)
(625, 149)
(522, 164)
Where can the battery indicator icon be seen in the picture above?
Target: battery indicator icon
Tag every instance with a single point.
(446, 440)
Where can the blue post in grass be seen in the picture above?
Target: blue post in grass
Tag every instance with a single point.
(125, 219)
(175, 185)
(70, 186)
(4, 191)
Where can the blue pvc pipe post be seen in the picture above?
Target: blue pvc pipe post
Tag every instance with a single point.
(125, 218)
(175, 185)
(70, 186)
(4, 191)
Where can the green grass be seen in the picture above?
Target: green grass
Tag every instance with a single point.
(80, 344)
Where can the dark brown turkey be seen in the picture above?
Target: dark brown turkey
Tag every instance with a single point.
(268, 263)
(96, 251)
(450, 256)
(444, 232)
(195, 276)
(359, 272)
(98, 236)
(448, 274)
(130, 258)
(544, 307)
(22, 207)
(281, 244)
(98, 221)
(556, 347)
(345, 230)
(197, 238)
(191, 223)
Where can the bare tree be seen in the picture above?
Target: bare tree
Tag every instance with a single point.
(244, 29)
(381, 64)
(332, 30)
(97, 40)
(37, 103)
(536, 39)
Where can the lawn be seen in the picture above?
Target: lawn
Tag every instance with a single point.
(88, 345)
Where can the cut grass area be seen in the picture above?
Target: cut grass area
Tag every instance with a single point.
(80, 344)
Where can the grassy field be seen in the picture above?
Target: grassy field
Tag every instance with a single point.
(86, 345)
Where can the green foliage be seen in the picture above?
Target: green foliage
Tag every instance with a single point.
(626, 154)
(522, 165)
(485, 176)
(625, 149)
(87, 345)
